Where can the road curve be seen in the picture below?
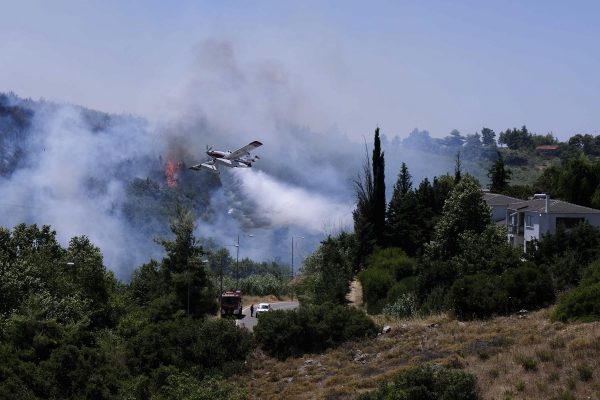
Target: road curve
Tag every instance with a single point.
(249, 322)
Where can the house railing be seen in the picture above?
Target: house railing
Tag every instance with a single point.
(515, 229)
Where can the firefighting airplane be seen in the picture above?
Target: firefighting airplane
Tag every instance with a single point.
(231, 159)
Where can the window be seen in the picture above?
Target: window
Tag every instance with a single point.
(529, 221)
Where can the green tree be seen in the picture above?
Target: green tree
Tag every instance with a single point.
(327, 272)
(488, 137)
(363, 215)
(499, 175)
(402, 215)
(465, 210)
(184, 270)
(379, 203)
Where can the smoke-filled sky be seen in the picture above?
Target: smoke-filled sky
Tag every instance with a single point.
(311, 80)
(436, 65)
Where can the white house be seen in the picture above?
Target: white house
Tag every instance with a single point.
(532, 219)
(498, 203)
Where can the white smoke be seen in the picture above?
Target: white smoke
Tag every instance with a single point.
(283, 204)
(76, 178)
(67, 182)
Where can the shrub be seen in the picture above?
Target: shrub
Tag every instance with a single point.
(311, 328)
(375, 283)
(199, 347)
(581, 304)
(393, 260)
(406, 285)
(585, 372)
(389, 274)
(185, 387)
(437, 301)
(424, 383)
(477, 296)
(528, 287)
(405, 306)
(591, 274)
(529, 364)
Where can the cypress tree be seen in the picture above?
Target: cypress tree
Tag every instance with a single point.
(379, 203)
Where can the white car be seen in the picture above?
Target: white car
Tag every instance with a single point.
(261, 308)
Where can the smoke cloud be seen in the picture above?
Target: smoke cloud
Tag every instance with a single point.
(76, 176)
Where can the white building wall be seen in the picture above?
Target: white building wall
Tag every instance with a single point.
(544, 224)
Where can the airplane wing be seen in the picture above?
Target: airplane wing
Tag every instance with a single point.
(244, 150)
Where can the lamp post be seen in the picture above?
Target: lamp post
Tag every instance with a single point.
(237, 260)
(291, 284)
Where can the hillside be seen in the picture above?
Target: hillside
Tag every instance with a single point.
(512, 358)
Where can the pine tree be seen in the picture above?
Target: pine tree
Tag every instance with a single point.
(183, 269)
(499, 175)
(488, 137)
(402, 214)
(379, 203)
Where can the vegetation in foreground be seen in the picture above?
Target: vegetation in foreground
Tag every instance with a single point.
(512, 357)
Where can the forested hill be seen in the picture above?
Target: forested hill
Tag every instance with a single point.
(117, 179)
(88, 172)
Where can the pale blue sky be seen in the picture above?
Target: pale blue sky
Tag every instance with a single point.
(436, 65)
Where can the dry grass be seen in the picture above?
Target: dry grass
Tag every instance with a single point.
(512, 358)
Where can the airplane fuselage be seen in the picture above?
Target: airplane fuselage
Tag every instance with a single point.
(218, 154)
(231, 159)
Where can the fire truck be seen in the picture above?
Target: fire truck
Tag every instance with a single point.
(231, 303)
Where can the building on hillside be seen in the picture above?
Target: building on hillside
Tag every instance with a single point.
(498, 204)
(532, 219)
(547, 148)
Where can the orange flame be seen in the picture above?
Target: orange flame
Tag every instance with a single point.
(171, 172)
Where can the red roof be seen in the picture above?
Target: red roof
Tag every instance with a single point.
(547, 147)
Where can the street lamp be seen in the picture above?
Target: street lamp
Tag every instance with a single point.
(237, 260)
(292, 285)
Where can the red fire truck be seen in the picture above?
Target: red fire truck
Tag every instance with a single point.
(231, 303)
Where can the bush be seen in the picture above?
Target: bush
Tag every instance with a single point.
(591, 274)
(393, 260)
(424, 383)
(311, 328)
(389, 274)
(185, 387)
(477, 296)
(198, 347)
(581, 304)
(375, 284)
(406, 285)
(405, 306)
(527, 287)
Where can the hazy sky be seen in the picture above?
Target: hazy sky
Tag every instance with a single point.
(435, 65)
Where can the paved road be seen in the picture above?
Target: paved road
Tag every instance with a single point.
(249, 322)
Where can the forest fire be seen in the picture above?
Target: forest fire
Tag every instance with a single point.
(171, 172)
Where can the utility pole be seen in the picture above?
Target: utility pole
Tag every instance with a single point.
(237, 264)
(291, 281)
(291, 284)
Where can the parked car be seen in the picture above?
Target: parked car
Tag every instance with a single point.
(262, 308)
